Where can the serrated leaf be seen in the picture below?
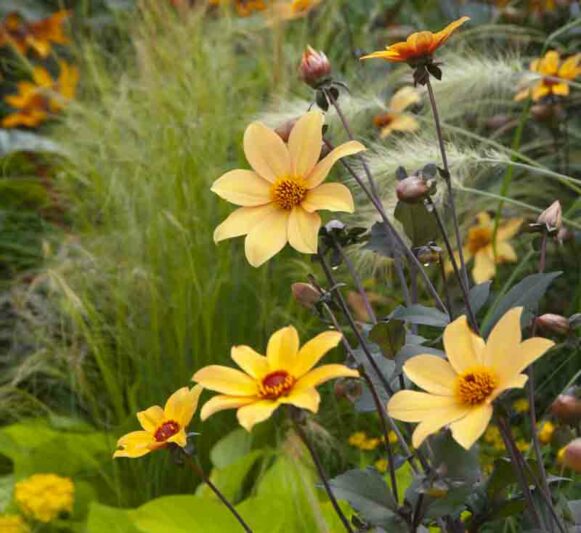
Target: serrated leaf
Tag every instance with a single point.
(420, 314)
(389, 336)
(418, 224)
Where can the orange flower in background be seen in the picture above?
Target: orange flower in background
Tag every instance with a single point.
(418, 47)
(294, 9)
(395, 119)
(554, 74)
(286, 376)
(161, 426)
(280, 197)
(37, 100)
(38, 36)
(245, 8)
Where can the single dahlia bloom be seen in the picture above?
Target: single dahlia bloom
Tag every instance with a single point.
(281, 195)
(286, 375)
(460, 390)
(395, 118)
(161, 426)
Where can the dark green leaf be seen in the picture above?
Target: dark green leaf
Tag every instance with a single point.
(411, 350)
(232, 447)
(420, 314)
(455, 463)
(418, 224)
(390, 336)
(381, 241)
(478, 295)
(454, 502)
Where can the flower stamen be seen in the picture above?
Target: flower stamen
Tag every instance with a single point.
(476, 385)
(478, 238)
(166, 430)
(276, 384)
(288, 192)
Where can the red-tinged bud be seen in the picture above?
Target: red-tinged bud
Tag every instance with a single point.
(306, 294)
(284, 130)
(412, 189)
(551, 217)
(571, 457)
(314, 68)
(555, 323)
(567, 408)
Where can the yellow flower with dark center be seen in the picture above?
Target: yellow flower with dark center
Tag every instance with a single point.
(546, 432)
(552, 76)
(161, 426)
(44, 497)
(395, 119)
(419, 46)
(42, 97)
(13, 523)
(521, 406)
(285, 376)
(461, 389)
(280, 197)
(38, 36)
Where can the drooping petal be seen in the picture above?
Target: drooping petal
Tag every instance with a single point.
(134, 444)
(251, 362)
(303, 230)
(256, 412)
(303, 399)
(182, 405)
(484, 267)
(151, 418)
(226, 380)
(282, 349)
(404, 98)
(503, 340)
(463, 347)
(241, 221)
(329, 196)
(323, 167)
(325, 373)
(436, 421)
(469, 429)
(266, 152)
(431, 373)
(305, 141)
(443, 35)
(312, 352)
(414, 406)
(243, 187)
(222, 402)
(267, 237)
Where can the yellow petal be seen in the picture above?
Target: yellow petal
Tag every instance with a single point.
(305, 141)
(180, 438)
(282, 349)
(387, 55)
(503, 340)
(266, 152)
(226, 380)
(312, 352)
(329, 196)
(42, 77)
(443, 35)
(241, 221)
(539, 91)
(267, 237)
(182, 404)
(303, 399)
(404, 122)
(134, 444)
(469, 429)
(243, 187)
(508, 229)
(560, 89)
(323, 167)
(463, 347)
(484, 267)
(521, 357)
(522, 94)
(414, 406)
(303, 230)
(505, 253)
(436, 421)
(251, 362)
(223, 402)
(549, 65)
(151, 418)
(256, 412)
(325, 373)
(432, 374)
(514, 382)
(404, 98)
(570, 68)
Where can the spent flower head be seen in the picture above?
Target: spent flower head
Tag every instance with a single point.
(45, 497)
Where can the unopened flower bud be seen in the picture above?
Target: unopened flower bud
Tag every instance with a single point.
(314, 68)
(567, 408)
(551, 217)
(350, 389)
(555, 323)
(428, 254)
(571, 456)
(306, 294)
(284, 130)
(412, 189)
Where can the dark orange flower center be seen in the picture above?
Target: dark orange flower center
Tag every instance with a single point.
(382, 120)
(166, 430)
(288, 192)
(475, 385)
(478, 238)
(276, 384)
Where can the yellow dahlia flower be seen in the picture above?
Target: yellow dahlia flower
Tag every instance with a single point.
(161, 426)
(280, 197)
(44, 497)
(285, 376)
(395, 118)
(460, 390)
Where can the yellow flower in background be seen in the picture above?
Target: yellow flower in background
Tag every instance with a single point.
(13, 523)
(461, 389)
(479, 246)
(419, 46)
(492, 436)
(37, 100)
(521, 406)
(44, 497)
(370, 444)
(357, 439)
(293, 9)
(285, 376)
(245, 8)
(280, 197)
(546, 432)
(381, 465)
(522, 445)
(394, 119)
(161, 426)
(392, 437)
(555, 75)
(38, 36)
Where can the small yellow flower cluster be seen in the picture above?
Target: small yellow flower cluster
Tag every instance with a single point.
(521, 406)
(44, 497)
(360, 440)
(13, 523)
(492, 437)
(546, 432)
